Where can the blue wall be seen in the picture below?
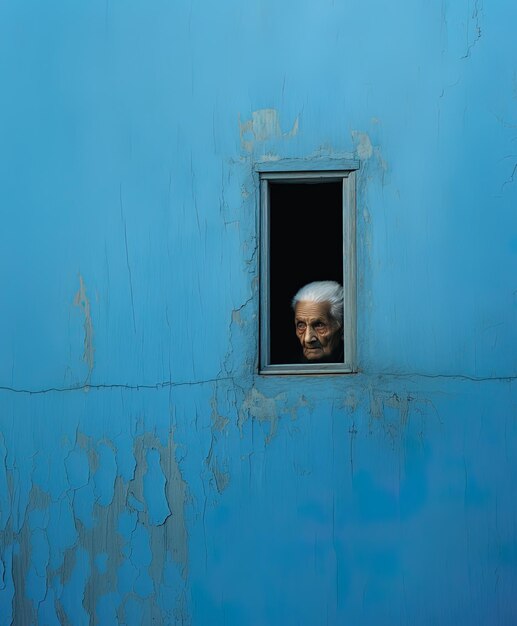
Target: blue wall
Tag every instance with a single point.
(146, 471)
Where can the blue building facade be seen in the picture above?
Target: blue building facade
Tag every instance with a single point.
(149, 474)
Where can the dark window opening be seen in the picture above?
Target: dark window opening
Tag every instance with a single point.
(306, 245)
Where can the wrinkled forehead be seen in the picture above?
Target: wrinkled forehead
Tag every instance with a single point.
(307, 310)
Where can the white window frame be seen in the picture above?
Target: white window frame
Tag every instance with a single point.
(307, 171)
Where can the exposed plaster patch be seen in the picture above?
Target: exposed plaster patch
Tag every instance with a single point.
(175, 493)
(238, 334)
(258, 406)
(154, 489)
(219, 422)
(236, 317)
(264, 125)
(303, 402)
(81, 300)
(368, 153)
(350, 402)
(219, 425)
(176, 490)
(221, 477)
(376, 405)
(86, 444)
(269, 158)
(24, 608)
(363, 145)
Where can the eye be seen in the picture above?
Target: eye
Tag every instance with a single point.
(301, 325)
(319, 325)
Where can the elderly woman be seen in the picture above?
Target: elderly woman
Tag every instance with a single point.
(318, 319)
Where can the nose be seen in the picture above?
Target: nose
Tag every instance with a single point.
(310, 335)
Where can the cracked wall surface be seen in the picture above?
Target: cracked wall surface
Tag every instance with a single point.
(148, 474)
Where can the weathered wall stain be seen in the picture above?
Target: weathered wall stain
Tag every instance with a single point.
(81, 300)
(264, 125)
(365, 150)
(219, 426)
(259, 407)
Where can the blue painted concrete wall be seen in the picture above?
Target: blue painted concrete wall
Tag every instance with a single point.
(147, 474)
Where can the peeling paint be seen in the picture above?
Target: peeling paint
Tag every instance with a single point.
(351, 402)
(363, 145)
(94, 559)
(219, 422)
(259, 407)
(81, 300)
(264, 125)
(365, 150)
(219, 426)
(221, 476)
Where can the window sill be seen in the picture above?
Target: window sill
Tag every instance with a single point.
(303, 368)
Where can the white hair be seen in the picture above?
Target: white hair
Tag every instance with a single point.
(323, 291)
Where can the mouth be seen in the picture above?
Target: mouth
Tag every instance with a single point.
(312, 350)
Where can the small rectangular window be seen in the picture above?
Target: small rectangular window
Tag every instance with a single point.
(307, 232)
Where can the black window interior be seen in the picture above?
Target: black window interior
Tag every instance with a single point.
(306, 244)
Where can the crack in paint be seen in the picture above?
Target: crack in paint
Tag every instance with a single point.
(170, 383)
(478, 8)
(86, 387)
